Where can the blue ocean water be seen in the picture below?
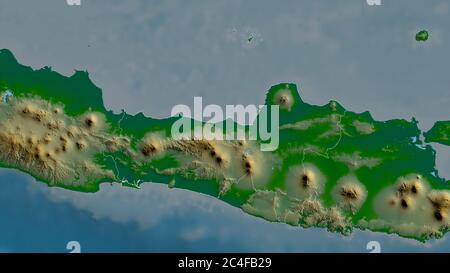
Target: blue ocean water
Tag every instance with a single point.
(32, 221)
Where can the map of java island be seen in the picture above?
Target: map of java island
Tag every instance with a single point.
(333, 168)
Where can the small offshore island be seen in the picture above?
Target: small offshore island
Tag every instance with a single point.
(334, 168)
